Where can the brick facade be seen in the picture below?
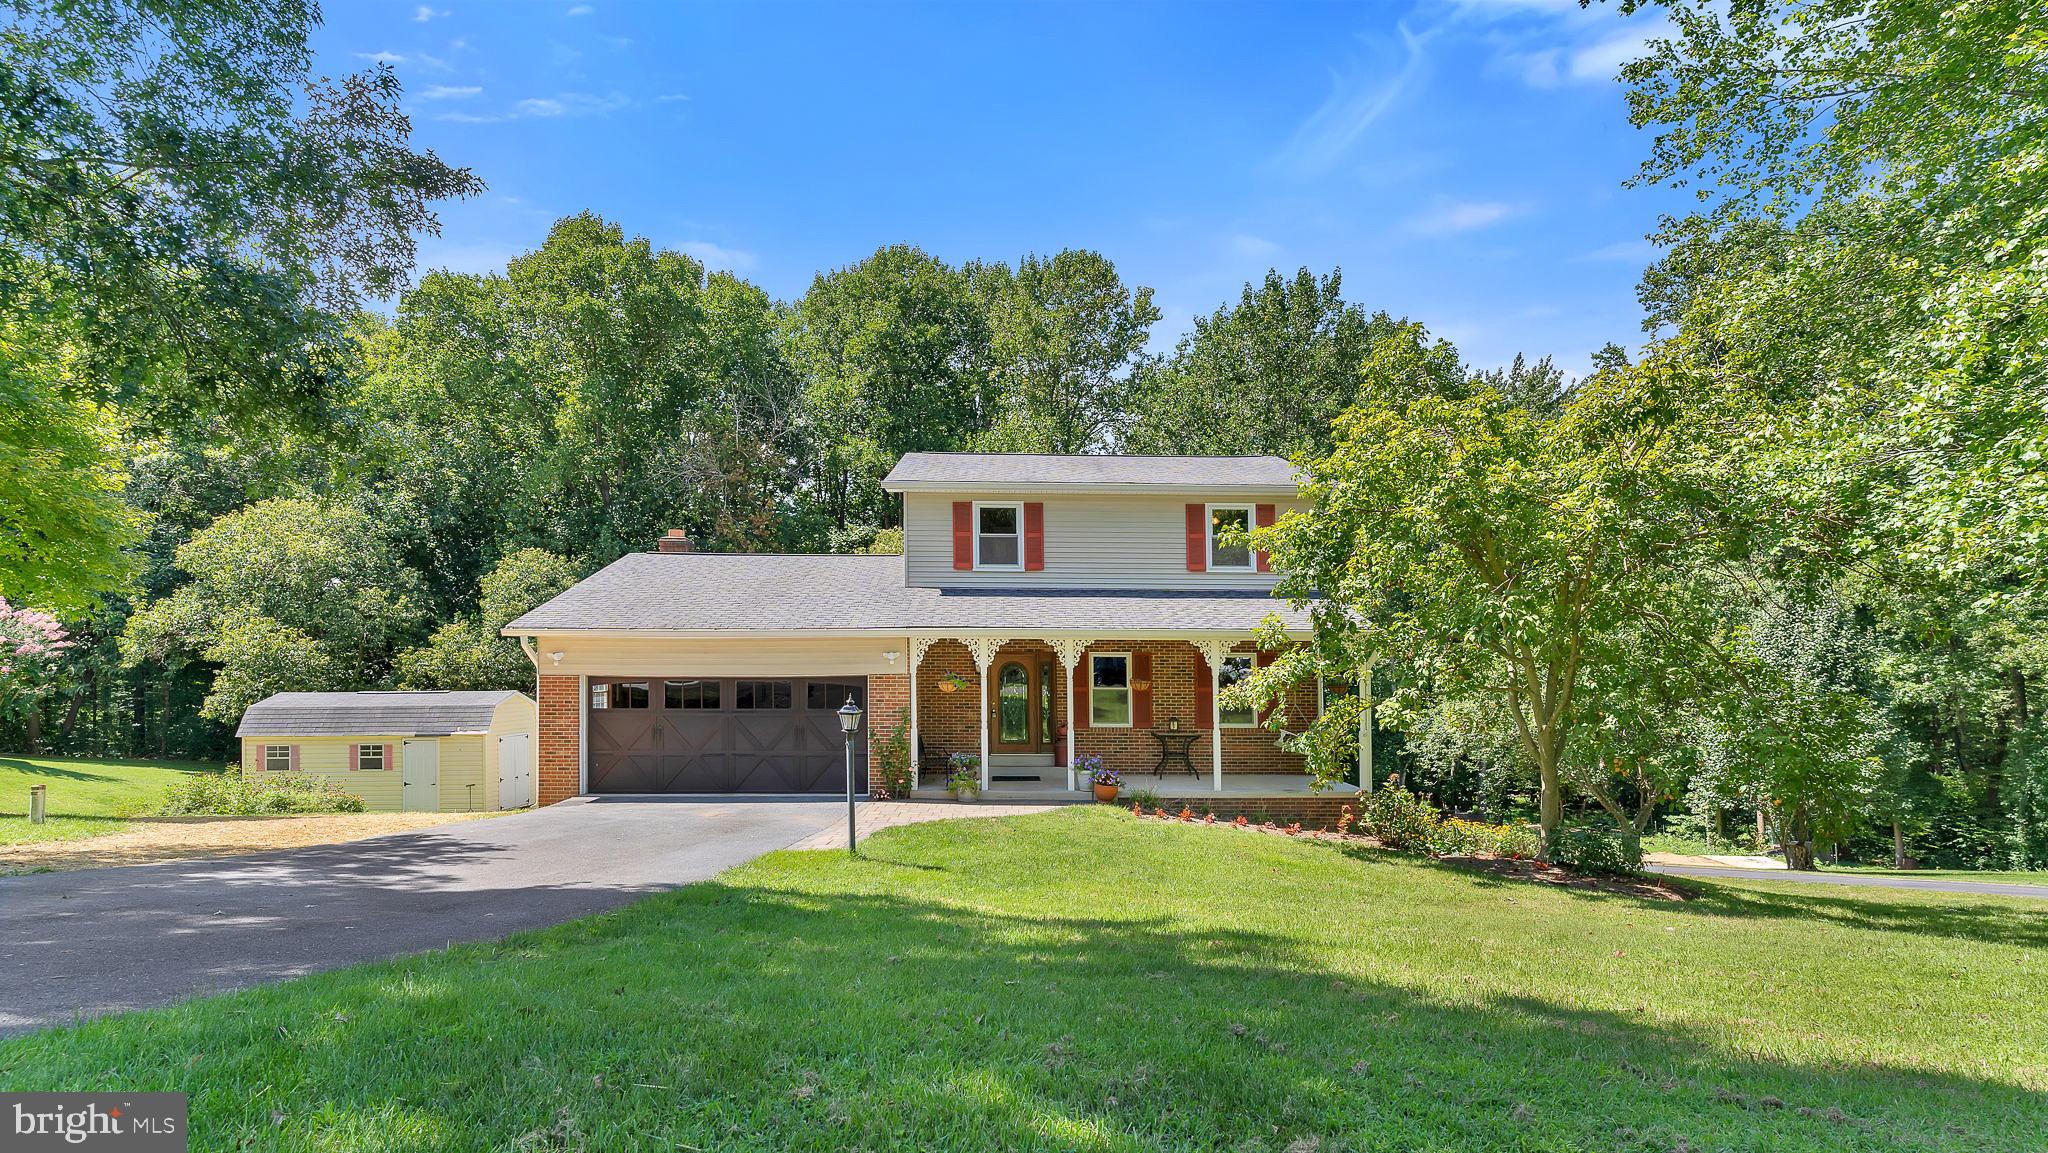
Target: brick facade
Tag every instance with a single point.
(557, 765)
(950, 722)
(888, 711)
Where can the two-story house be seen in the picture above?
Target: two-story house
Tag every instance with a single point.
(1043, 608)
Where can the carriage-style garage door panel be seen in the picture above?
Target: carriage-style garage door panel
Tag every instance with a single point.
(722, 735)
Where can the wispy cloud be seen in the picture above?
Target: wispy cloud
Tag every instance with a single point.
(1553, 43)
(1257, 247)
(1359, 96)
(558, 106)
(1458, 216)
(719, 256)
(422, 14)
(397, 58)
(671, 97)
(580, 10)
(450, 92)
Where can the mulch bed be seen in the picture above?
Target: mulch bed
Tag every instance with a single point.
(1510, 868)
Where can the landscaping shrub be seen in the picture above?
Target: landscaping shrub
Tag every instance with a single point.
(232, 794)
(1470, 838)
(1594, 848)
(1399, 819)
(894, 778)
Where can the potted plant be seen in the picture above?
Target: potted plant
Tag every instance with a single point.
(1104, 781)
(964, 782)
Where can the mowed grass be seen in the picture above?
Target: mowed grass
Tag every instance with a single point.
(86, 797)
(1086, 980)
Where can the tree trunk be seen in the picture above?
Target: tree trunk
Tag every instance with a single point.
(34, 722)
(163, 724)
(1898, 845)
(1796, 841)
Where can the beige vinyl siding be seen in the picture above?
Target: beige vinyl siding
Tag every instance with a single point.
(327, 759)
(1091, 541)
(462, 765)
(717, 656)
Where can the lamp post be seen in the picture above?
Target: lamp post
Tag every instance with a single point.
(849, 725)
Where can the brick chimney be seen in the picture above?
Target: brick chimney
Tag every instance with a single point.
(675, 541)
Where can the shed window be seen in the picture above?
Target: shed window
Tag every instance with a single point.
(1235, 669)
(1225, 519)
(370, 758)
(1109, 689)
(689, 695)
(998, 536)
(758, 695)
(277, 758)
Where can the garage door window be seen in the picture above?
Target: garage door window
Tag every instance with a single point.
(753, 696)
(619, 695)
(827, 696)
(689, 695)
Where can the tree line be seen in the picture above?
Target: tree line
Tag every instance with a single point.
(1777, 568)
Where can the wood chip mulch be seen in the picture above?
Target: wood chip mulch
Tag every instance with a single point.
(1643, 887)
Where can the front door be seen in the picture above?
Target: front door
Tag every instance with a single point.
(420, 776)
(1020, 705)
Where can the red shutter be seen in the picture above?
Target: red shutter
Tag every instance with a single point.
(355, 753)
(963, 534)
(1262, 660)
(388, 762)
(295, 758)
(1079, 705)
(1205, 695)
(1264, 515)
(1034, 537)
(1198, 540)
(1141, 690)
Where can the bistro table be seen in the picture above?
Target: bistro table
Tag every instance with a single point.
(1173, 749)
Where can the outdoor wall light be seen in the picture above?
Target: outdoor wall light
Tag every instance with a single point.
(556, 656)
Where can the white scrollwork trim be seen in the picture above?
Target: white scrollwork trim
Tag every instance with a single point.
(984, 649)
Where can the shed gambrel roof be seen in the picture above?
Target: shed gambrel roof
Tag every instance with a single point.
(824, 594)
(376, 714)
(1014, 471)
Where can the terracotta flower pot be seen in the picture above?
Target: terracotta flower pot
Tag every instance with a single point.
(1105, 793)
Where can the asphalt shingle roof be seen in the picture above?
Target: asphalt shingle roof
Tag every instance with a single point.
(378, 714)
(752, 592)
(936, 469)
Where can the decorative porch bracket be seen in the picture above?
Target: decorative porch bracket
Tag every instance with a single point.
(983, 650)
(1069, 650)
(1213, 650)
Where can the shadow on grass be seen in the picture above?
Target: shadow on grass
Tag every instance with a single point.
(832, 1005)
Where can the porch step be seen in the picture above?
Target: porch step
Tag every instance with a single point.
(998, 762)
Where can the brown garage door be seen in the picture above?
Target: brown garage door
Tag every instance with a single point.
(722, 735)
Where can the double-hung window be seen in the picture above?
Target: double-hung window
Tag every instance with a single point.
(277, 758)
(1232, 555)
(370, 758)
(998, 535)
(1109, 690)
(1235, 669)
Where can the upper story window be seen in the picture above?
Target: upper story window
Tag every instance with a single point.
(998, 535)
(1224, 520)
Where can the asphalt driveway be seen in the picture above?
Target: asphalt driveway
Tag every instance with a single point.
(102, 940)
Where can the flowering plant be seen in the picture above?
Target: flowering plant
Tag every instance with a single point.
(1086, 765)
(966, 774)
(1106, 777)
(32, 644)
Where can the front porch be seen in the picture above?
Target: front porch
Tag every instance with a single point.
(1027, 710)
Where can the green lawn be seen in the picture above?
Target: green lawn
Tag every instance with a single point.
(1084, 980)
(86, 798)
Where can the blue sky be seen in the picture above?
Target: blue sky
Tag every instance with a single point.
(1462, 162)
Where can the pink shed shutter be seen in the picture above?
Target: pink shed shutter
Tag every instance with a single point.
(1265, 520)
(963, 534)
(295, 758)
(1198, 540)
(1034, 537)
(262, 758)
(388, 762)
(355, 757)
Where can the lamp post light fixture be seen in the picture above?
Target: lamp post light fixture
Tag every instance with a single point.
(849, 725)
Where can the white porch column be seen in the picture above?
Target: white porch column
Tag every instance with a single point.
(984, 650)
(1069, 650)
(918, 647)
(1213, 651)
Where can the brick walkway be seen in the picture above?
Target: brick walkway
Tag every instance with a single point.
(873, 815)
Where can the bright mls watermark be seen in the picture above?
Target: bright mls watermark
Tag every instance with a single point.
(111, 1122)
